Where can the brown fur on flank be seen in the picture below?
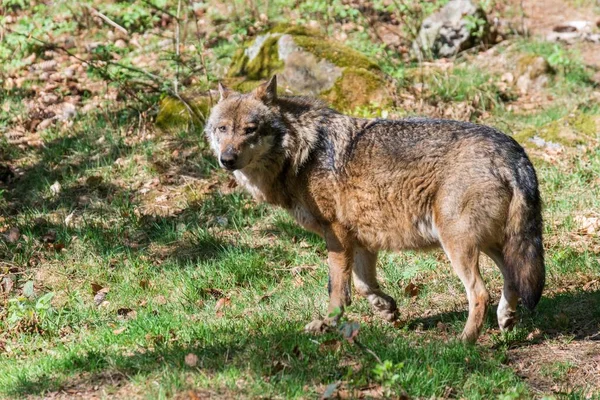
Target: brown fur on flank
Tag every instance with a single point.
(370, 185)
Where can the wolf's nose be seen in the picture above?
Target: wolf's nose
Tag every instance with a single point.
(228, 159)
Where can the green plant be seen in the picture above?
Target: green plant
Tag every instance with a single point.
(14, 4)
(132, 16)
(388, 374)
(560, 59)
(476, 25)
(30, 315)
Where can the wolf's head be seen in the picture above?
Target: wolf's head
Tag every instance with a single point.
(244, 128)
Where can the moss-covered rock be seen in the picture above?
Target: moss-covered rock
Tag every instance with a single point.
(308, 63)
(572, 130)
(173, 113)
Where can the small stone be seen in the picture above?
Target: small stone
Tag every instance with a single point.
(574, 26)
(191, 360)
(45, 124)
(120, 44)
(69, 111)
(30, 59)
(13, 235)
(508, 77)
(56, 77)
(9, 84)
(49, 98)
(47, 66)
(56, 188)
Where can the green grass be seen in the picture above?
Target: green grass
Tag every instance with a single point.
(193, 266)
(172, 270)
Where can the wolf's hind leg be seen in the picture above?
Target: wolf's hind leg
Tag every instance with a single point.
(507, 307)
(365, 282)
(465, 262)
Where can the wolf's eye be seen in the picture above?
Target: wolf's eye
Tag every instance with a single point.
(222, 128)
(249, 130)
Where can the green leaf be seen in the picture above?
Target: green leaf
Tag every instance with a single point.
(28, 290)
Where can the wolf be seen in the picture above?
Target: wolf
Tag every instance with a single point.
(366, 185)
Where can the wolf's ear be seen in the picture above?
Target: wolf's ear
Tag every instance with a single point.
(224, 92)
(267, 92)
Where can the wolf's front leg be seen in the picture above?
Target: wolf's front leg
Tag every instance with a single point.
(340, 257)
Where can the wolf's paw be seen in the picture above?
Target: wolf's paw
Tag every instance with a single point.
(384, 306)
(507, 322)
(316, 326)
(387, 315)
(468, 337)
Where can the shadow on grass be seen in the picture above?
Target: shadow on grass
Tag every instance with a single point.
(66, 159)
(283, 358)
(574, 314)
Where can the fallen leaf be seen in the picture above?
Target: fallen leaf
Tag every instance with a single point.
(350, 330)
(69, 219)
(222, 302)
(215, 293)
(588, 285)
(160, 300)
(13, 235)
(191, 360)
(100, 295)
(8, 282)
(49, 237)
(300, 268)
(95, 288)
(126, 313)
(94, 180)
(412, 290)
(330, 344)
(588, 225)
(442, 327)
(330, 390)
(55, 188)
(120, 330)
(59, 246)
(298, 281)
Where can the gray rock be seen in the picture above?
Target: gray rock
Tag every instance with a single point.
(310, 63)
(458, 26)
(574, 31)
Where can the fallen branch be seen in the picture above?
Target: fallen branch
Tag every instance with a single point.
(107, 20)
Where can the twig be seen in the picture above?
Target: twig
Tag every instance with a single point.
(157, 80)
(201, 52)
(164, 11)
(177, 31)
(365, 348)
(410, 27)
(522, 11)
(108, 20)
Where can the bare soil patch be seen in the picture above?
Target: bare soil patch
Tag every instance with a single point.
(560, 368)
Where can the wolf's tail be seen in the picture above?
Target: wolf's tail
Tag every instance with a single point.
(523, 248)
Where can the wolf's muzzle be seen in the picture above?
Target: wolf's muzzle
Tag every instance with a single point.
(229, 160)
